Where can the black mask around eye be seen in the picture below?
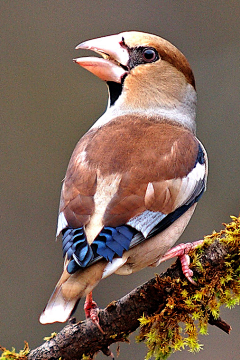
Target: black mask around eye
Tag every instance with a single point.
(142, 55)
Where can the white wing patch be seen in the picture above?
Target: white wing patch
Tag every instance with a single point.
(106, 188)
(62, 223)
(190, 187)
(191, 184)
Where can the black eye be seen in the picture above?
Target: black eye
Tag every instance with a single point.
(142, 55)
(149, 55)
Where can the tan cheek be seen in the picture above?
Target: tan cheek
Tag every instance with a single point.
(166, 86)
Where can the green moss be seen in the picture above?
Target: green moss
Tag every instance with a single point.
(188, 308)
(12, 355)
(48, 338)
(85, 357)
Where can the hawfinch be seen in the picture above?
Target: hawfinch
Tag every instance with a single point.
(135, 177)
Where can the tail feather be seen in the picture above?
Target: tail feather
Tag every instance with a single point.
(68, 292)
(58, 309)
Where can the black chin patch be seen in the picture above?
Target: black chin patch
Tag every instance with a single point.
(115, 90)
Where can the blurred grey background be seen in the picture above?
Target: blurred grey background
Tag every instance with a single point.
(48, 102)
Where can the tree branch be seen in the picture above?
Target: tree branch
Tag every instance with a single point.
(120, 318)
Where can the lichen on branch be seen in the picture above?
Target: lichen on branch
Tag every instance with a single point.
(187, 308)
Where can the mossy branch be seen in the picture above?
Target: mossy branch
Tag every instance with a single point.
(161, 306)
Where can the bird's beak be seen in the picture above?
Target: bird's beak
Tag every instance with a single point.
(113, 65)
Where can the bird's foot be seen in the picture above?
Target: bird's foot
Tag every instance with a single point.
(181, 251)
(91, 311)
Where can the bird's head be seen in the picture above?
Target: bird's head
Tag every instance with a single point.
(144, 73)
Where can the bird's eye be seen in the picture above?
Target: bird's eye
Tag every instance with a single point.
(149, 55)
(142, 55)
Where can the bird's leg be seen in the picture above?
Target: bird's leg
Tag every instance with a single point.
(91, 310)
(182, 251)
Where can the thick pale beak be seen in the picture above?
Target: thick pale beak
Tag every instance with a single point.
(113, 65)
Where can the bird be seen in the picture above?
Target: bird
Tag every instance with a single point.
(135, 177)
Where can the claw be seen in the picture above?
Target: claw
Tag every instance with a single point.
(182, 251)
(188, 273)
(91, 311)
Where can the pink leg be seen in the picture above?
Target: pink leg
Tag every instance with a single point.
(91, 311)
(182, 251)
